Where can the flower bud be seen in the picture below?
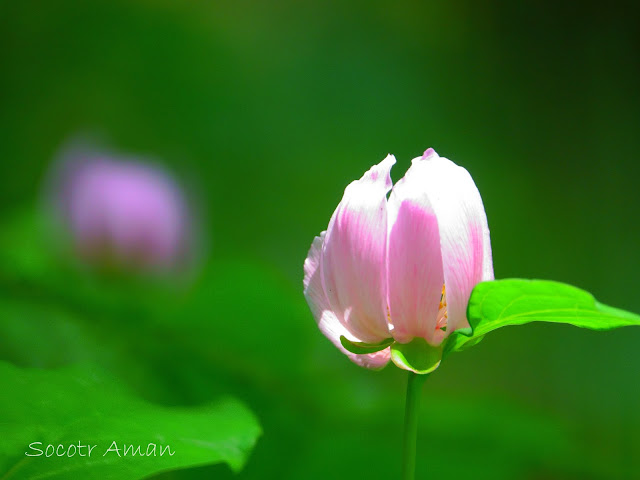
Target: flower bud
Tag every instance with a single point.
(122, 212)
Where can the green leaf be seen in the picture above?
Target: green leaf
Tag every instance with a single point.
(75, 406)
(360, 348)
(507, 302)
(417, 356)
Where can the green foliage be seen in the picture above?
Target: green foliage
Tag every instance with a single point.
(83, 406)
(501, 303)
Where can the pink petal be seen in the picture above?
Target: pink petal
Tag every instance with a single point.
(326, 319)
(414, 261)
(464, 232)
(354, 255)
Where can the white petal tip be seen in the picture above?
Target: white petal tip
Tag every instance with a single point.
(429, 153)
(380, 173)
(386, 164)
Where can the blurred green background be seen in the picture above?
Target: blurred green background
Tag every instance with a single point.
(267, 110)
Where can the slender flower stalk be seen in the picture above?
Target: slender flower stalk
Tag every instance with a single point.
(411, 413)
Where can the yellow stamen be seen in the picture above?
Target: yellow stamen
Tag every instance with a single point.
(442, 312)
(443, 297)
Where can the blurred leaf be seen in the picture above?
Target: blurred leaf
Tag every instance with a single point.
(235, 306)
(26, 251)
(80, 405)
(36, 262)
(36, 335)
(502, 303)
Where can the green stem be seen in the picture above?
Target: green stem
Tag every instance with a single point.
(412, 407)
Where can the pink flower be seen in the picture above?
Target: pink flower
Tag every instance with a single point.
(122, 211)
(403, 267)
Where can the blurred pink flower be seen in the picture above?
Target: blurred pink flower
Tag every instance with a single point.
(402, 267)
(123, 211)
